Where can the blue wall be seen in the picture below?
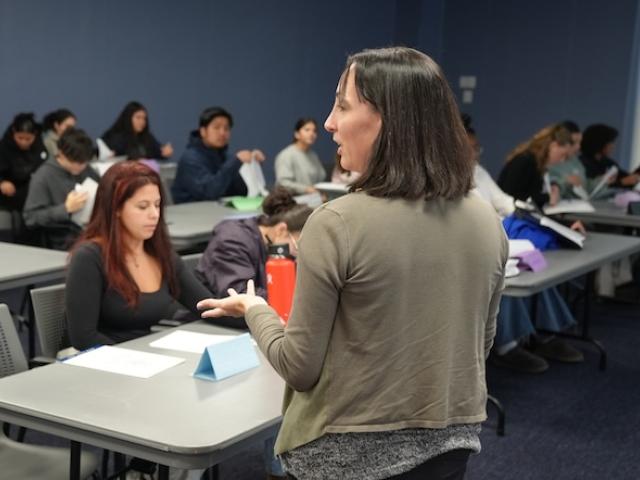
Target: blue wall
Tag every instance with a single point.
(271, 62)
(267, 62)
(539, 62)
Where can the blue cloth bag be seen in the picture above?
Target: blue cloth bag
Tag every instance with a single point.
(522, 228)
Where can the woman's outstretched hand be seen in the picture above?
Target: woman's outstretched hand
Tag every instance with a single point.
(235, 305)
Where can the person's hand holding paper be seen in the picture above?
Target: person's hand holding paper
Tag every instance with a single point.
(88, 189)
(75, 200)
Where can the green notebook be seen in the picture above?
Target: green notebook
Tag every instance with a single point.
(245, 204)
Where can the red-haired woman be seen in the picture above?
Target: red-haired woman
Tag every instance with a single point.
(123, 275)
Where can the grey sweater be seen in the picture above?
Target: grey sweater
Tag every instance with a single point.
(44, 208)
(394, 313)
(297, 170)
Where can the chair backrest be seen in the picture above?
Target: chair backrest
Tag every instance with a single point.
(48, 308)
(6, 220)
(12, 359)
(191, 260)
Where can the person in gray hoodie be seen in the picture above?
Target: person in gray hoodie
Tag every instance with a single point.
(52, 197)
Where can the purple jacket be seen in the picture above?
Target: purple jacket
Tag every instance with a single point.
(236, 253)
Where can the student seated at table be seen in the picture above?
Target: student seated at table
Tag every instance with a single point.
(205, 171)
(21, 153)
(53, 125)
(523, 176)
(298, 167)
(52, 197)
(130, 135)
(516, 346)
(237, 251)
(123, 275)
(569, 174)
(598, 144)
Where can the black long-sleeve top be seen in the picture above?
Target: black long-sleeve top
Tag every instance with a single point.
(97, 315)
(132, 146)
(521, 179)
(16, 166)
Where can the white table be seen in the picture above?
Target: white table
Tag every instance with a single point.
(190, 224)
(563, 265)
(606, 213)
(171, 418)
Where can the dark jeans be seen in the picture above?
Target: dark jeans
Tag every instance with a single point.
(448, 466)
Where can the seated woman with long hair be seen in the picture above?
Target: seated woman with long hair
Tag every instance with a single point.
(525, 173)
(130, 135)
(123, 274)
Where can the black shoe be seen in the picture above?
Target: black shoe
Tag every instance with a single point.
(520, 360)
(557, 349)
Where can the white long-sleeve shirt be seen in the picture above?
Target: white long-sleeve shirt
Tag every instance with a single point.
(489, 190)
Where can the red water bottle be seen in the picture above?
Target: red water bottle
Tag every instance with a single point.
(281, 280)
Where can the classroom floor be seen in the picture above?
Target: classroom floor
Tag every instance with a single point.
(571, 422)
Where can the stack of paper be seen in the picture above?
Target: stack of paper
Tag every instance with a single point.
(253, 177)
(569, 206)
(82, 216)
(516, 247)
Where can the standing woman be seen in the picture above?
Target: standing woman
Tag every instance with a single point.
(54, 125)
(298, 168)
(21, 153)
(397, 289)
(130, 135)
(123, 275)
(523, 175)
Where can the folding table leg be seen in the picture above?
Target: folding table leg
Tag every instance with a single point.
(74, 463)
(501, 414)
(163, 472)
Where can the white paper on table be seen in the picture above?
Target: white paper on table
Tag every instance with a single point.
(124, 361)
(516, 247)
(569, 206)
(90, 186)
(312, 200)
(185, 341)
(332, 187)
(253, 177)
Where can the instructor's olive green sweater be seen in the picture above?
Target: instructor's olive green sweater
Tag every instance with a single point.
(393, 316)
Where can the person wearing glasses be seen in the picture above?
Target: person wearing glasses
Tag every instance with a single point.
(237, 251)
(397, 288)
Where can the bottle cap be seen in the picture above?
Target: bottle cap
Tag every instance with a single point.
(279, 249)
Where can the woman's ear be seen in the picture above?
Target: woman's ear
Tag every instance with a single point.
(280, 229)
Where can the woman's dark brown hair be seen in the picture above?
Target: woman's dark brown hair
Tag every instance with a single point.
(280, 206)
(422, 149)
